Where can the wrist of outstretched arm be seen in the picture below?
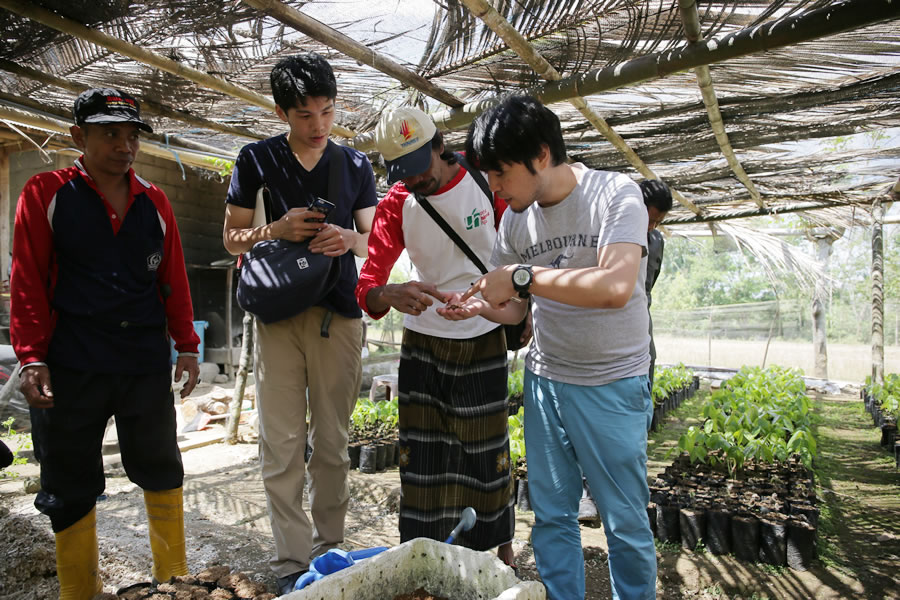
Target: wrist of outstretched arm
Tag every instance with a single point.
(35, 363)
(376, 306)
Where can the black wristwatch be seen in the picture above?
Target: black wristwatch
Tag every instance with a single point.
(522, 276)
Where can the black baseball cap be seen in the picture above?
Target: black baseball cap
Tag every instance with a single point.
(108, 105)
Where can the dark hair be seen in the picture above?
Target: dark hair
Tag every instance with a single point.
(295, 78)
(656, 194)
(513, 132)
(447, 156)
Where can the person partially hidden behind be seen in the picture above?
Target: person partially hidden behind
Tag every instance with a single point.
(454, 437)
(658, 200)
(98, 284)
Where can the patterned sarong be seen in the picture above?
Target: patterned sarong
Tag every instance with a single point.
(454, 438)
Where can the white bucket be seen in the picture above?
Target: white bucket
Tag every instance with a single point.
(454, 572)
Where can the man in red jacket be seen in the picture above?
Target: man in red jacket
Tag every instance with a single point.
(98, 284)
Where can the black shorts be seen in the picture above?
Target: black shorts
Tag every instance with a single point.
(68, 438)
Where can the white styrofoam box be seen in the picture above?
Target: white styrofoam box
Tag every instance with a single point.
(454, 572)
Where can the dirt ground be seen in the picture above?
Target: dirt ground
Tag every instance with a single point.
(226, 523)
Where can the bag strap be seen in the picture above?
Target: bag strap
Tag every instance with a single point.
(335, 182)
(479, 179)
(335, 174)
(477, 176)
(451, 233)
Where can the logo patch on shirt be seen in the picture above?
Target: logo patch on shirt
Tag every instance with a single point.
(477, 219)
(153, 261)
(302, 263)
(561, 261)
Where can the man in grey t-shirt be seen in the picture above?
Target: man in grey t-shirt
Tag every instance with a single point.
(575, 240)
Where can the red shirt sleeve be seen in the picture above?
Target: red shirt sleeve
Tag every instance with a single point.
(33, 268)
(386, 243)
(173, 277)
(500, 207)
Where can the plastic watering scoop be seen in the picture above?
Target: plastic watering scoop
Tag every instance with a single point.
(465, 523)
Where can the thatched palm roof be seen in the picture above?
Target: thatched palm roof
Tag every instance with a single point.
(779, 71)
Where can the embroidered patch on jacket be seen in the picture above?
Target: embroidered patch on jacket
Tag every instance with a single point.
(153, 261)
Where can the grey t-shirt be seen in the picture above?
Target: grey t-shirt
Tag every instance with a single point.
(583, 346)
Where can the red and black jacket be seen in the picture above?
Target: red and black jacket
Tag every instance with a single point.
(92, 291)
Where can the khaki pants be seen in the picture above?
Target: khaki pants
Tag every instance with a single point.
(296, 366)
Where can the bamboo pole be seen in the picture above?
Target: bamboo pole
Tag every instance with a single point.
(240, 381)
(521, 46)
(811, 25)
(50, 19)
(29, 105)
(819, 306)
(229, 317)
(148, 105)
(756, 212)
(690, 19)
(337, 40)
(193, 158)
(877, 292)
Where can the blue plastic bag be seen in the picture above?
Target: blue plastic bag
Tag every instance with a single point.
(333, 561)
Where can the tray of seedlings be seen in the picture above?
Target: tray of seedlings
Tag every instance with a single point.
(882, 401)
(671, 387)
(741, 482)
(373, 444)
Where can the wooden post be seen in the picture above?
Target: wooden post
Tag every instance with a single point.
(240, 381)
(877, 292)
(819, 307)
(229, 336)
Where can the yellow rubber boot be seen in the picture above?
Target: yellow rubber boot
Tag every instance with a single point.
(77, 557)
(165, 517)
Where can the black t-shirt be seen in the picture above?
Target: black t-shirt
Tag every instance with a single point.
(271, 161)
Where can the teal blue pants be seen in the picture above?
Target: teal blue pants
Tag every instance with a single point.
(600, 432)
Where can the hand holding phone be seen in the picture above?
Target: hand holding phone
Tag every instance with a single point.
(320, 205)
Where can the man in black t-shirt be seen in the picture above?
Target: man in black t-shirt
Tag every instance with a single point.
(311, 360)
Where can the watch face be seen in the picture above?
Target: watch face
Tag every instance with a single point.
(521, 277)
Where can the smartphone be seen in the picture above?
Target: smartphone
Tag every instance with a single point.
(320, 205)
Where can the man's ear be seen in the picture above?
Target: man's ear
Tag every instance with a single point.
(281, 114)
(77, 134)
(543, 159)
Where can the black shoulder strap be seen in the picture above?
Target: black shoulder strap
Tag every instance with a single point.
(335, 175)
(449, 231)
(477, 176)
(335, 180)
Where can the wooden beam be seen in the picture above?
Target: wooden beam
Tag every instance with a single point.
(522, 47)
(337, 40)
(811, 25)
(45, 17)
(189, 157)
(148, 105)
(756, 212)
(26, 104)
(690, 19)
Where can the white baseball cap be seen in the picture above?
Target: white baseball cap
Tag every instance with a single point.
(403, 137)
